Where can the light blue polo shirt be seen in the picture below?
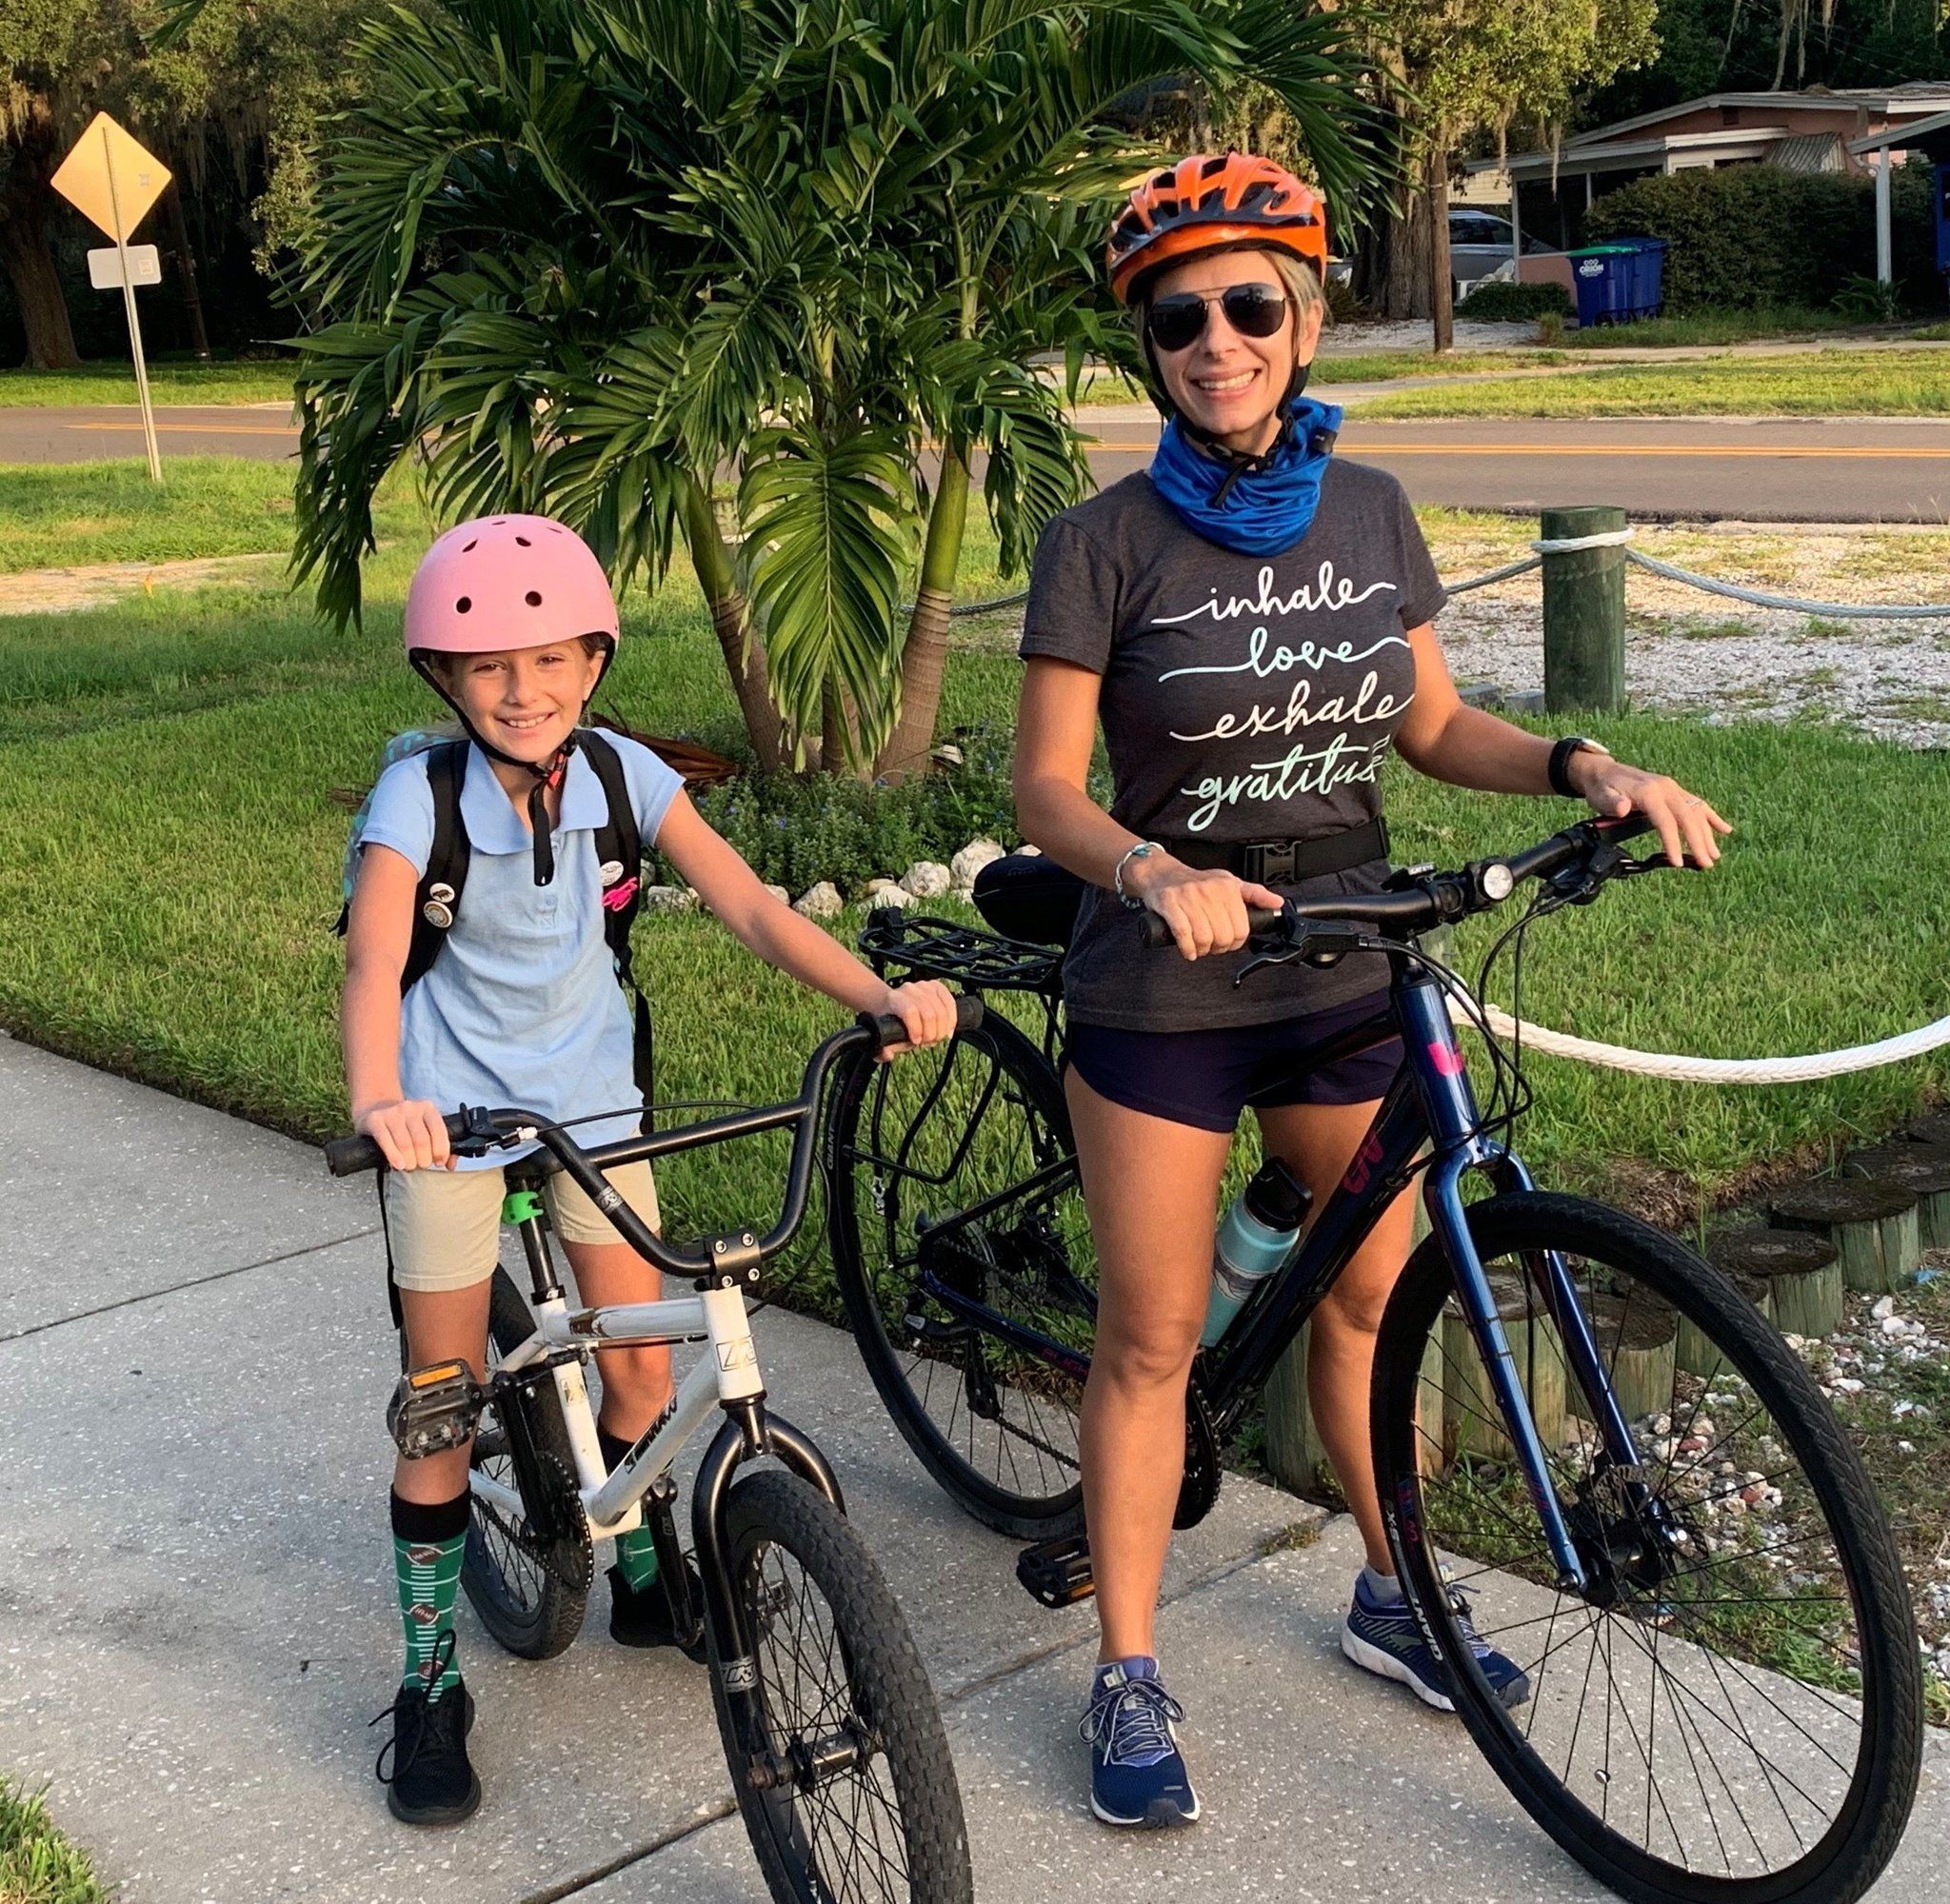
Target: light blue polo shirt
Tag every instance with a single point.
(522, 1009)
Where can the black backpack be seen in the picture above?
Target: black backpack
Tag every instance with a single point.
(619, 855)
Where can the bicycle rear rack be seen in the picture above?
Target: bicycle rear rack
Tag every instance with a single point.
(964, 955)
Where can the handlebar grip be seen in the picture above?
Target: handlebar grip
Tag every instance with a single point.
(1157, 934)
(888, 1029)
(348, 1155)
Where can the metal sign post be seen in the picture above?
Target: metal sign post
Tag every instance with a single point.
(111, 178)
(121, 237)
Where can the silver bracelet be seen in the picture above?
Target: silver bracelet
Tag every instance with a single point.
(1143, 849)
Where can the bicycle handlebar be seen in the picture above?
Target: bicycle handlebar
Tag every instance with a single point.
(1435, 899)
(479, 1130)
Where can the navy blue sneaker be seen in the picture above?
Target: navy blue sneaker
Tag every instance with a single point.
(1383, 1636)
(1137, 1776)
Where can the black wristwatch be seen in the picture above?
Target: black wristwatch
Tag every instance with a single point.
(1560, 760)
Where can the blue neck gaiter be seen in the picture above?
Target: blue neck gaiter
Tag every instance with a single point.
(1264, 508)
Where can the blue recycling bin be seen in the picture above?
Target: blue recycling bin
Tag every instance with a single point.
(1620, 280)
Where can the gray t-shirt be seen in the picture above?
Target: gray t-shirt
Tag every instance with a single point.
(1244, 697)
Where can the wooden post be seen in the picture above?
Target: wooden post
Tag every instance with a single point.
(1294, 1450)
(1798, 1269)
(1637, 1340)
(1921, 1167)
(1697, 1353)
(1932, 1127)
(1873, 1224)
(1584, 614)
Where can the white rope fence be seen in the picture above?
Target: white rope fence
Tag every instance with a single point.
(1686, 1070)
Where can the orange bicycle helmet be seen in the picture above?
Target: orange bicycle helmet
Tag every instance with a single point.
(1214, 203)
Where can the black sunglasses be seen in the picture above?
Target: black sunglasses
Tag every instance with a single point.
(1177, 322)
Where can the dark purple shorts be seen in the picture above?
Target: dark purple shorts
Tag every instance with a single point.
(1206, 1079)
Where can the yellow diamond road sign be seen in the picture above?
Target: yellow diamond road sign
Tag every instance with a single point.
(111, 178)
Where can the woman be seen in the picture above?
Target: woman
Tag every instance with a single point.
(1250, 622)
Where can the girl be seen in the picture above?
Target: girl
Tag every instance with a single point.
(512, 622)
(1250, 619)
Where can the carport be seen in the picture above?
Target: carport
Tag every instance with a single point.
(1931, 137)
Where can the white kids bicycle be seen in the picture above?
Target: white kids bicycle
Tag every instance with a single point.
(838, 1756)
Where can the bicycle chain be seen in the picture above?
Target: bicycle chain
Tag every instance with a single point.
(569, 1560)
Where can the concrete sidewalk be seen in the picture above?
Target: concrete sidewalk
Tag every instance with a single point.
(196, 1587)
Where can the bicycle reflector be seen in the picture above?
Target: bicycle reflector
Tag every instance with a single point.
(433, 1408)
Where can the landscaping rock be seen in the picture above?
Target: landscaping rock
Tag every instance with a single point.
(880, 885)
(780, 893)
(970, 861)
(820, 901)
(927, 878)
(668, 899)
(891, 898)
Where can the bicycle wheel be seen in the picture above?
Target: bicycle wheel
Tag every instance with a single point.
(1731, 1706)
(526, 1594)
(857, 1798)
(954, 1166)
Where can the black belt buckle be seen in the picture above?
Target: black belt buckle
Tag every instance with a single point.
(1268, 862)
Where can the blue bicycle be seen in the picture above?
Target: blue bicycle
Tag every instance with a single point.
(1586, 1438)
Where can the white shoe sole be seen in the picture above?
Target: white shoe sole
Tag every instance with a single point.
(1375, 1661)
(1163, 1815)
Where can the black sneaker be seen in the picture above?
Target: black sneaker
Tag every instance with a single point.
(431, 1783)
(644, 1619)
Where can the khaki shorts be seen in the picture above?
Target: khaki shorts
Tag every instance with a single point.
(445, 1225)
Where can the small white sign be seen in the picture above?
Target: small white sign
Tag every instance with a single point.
(104, 266)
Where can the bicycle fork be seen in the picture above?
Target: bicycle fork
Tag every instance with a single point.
(1453, 1120)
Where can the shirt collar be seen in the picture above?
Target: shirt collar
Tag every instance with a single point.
(494, 826)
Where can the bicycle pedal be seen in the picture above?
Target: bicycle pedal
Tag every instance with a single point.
(433, 1409)
(1057, 1572)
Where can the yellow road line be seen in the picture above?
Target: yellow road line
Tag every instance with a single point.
(1359, 446)
(199, 428)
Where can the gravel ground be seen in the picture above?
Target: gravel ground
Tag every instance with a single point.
(1357, 340)
(1691, 652)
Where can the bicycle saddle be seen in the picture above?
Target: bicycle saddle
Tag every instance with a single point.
(1027, 897)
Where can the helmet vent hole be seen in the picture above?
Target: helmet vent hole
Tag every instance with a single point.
(468, 547)
(524, 541)
(533, 598)
(461, 606)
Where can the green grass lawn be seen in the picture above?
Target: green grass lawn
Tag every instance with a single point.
(168, 383)
(64, 514)
(168, 867)
(37, 1864)
(1880, 382)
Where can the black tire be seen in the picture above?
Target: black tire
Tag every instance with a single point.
(530, 1611)
(890, 1827)
(913, 1145)
(1766, 1604)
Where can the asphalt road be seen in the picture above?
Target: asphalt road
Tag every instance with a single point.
(1854, 469)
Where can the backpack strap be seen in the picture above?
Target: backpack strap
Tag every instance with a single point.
(437, 897)
(620, 857)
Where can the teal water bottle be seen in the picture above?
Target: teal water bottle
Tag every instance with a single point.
(1256, 1238)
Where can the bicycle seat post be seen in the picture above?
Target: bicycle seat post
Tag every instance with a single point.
(523, 1208)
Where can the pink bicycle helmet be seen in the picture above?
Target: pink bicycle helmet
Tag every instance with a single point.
(508, 582)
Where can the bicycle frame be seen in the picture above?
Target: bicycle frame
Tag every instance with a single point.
(1429, 1104)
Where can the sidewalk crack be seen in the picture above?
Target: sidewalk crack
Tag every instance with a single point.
(196, 1282)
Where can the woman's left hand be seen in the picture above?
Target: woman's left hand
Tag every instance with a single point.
(1685, 824)
(927, 1009)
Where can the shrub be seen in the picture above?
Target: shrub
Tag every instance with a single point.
(1753, 235)
(1496, 300)
(795, 829)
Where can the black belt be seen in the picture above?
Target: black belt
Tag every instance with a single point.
(1286, 863)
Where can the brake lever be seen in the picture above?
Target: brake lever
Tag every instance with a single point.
(1325, 942)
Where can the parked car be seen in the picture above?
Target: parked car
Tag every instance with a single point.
(1480, 242)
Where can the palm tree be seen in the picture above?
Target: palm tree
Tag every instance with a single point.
(582, 255)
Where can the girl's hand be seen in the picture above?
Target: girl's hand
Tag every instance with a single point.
(1685, 824)
(927, 1007)
(410, 1130)
(1205, 907)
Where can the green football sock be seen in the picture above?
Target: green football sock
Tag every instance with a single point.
(636, 1552)
(428, 1542)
